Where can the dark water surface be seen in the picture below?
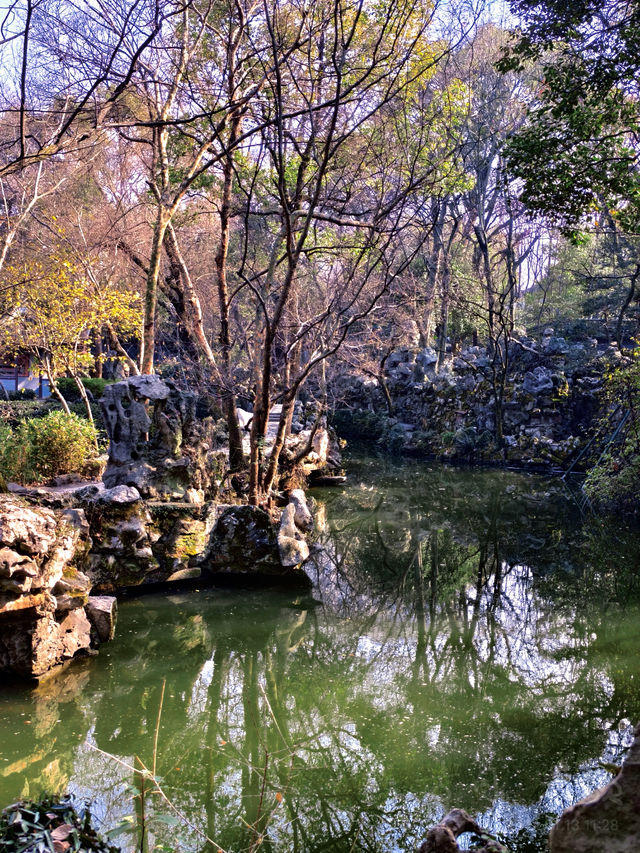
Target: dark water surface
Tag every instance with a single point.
(472, 640)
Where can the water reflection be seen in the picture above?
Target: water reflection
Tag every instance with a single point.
(472, 640)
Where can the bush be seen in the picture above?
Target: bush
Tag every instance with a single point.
(613, 483)
(69, 390)
(23, 394)
(43, 448)
(363, 426)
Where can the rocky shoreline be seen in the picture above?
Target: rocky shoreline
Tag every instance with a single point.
(537, 412)
(159, 518)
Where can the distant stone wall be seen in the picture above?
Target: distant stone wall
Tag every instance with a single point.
(552, 394)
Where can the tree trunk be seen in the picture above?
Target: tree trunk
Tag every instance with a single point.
(236, 454)
(257, 437)
(444, 317)
(629, 299)
(284, 426)
(192, 309)
(46, 364)
(97, 352)
(115, 342)
(87, 403)
(151, 294)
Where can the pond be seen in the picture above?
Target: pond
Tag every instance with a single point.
(472, 639)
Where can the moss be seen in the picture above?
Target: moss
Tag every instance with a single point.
(164, 509)
(188, 544)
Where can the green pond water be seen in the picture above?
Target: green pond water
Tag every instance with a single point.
(472, 639)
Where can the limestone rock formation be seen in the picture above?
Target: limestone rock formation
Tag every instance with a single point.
(607, 821)
(183, 532)
(43, 592)
(122, 533)
(245, 541)
(292, 546)
(140, 542)
(101, 611)
(302, 516)
(156, 443)
(553, 391)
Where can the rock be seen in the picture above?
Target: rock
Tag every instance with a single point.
(324, 480)
(556, 346)
(538, 381)
(16, 571)
(137, 542)
(302, 515)
(183, 533)
(72, 590)
(607, 821)
(42, 591)
(185, 574)
(460, 365)
(53, 642)
(118, 495)
(244, 418)
(292, 545)
(102, 612)
(27, 530)
(33, 640)
(320, 445)
(243, 540)
(399, 357)
(123, 533)
(156, 443)
(545, 397)
(426, 357)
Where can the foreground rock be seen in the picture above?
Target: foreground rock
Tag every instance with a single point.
(607, 821)
(46, 616)
(141, 542)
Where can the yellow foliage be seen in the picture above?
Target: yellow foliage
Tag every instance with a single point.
(50, 307)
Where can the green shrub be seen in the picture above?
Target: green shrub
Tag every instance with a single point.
(23, 394)
(447, 438)
(7, 449)
(13, 413)
(613, 483)
(69, 390)
(42, 448)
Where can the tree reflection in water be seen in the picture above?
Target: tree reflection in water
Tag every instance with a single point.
(471, 641)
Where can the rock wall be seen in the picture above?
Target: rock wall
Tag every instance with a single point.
(46, 613)
(551, 395)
